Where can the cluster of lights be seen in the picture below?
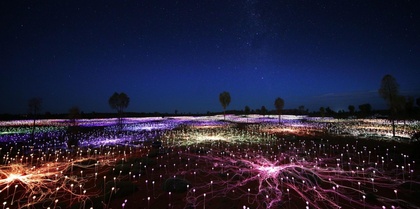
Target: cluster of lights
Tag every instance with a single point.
(271, 172)
(252, 165)
(49, 183)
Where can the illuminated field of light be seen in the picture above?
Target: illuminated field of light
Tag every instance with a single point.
(269, 173)
(49, 183)
(262, 164)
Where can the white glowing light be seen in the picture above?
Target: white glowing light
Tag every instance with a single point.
(269, 170)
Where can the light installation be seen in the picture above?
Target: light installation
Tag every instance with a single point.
(260, 164)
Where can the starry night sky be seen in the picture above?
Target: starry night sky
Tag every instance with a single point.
(179, 55)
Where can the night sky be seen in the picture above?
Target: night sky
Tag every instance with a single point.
(180, 55)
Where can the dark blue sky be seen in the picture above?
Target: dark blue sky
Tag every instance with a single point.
(169, 55)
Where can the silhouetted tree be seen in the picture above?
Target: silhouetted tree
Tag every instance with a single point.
(247, 110)
(322, 111)
(72, 130)
(119, 102)
(418, 102)
(279, 105)
(34, 105)
(365, 109)
(224, 99)
(389, 91)
(301, 109)
(263, 110)
(74, 114)
(351, 109)
(329, 111)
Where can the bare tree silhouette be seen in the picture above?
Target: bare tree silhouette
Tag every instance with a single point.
(34, 105)
(119, 102)
(351, 109)
(279, 104)
(74, 114)
(73, 129)
(224, 99)
(389, 91)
